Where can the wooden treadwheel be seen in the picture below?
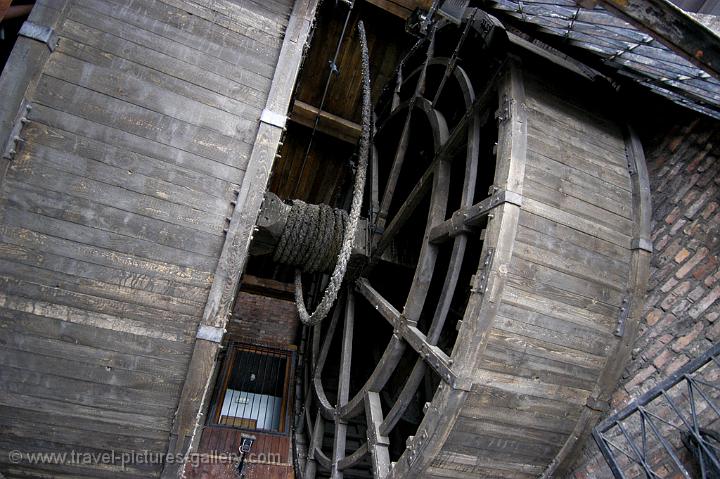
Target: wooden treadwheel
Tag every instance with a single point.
(432, 159)
(508, 256)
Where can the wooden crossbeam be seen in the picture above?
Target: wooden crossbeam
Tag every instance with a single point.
(333, 125)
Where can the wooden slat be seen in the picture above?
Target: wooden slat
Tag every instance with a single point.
(330, 124)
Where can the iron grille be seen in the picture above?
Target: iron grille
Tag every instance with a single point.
(672, 429)
(252, 391)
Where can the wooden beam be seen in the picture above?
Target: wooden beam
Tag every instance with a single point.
(197, 387)
(401, 8)
(672, 27)
(4, 7)
(333, 125)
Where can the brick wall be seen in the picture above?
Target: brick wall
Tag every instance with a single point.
(682, 307)
(263, 320)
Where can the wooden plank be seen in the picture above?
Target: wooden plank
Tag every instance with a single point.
(611, 295)
(117, 361)
(121, 86)
(147, 426)
(672, 27)
(254, 46)
(246, 109)
(575, 183)
(24, 67)
(130, 296)
(127, 269)
(584, 225)
(60, 311)
(119, 44)
(73, 391)
(85, 335)
(554, 308)
(141, 249)
(157, 387)
(118, 142)
(527, 322)
(488, 397)
(573, 256)
(93, 106)
(26, 194)
(114, 277)
(583, 240)
(579, 363)
(333, 125)
(569, 155)
(199, 190)
(237, 17)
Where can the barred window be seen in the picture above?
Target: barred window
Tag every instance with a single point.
(253, 387)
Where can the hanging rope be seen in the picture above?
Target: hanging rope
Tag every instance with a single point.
(330, 294)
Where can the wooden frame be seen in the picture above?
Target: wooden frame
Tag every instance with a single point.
(213, 417)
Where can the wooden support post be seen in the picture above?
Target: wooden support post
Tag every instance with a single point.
(344, 385)
(377, 443)
(197, 387)
(318, 432)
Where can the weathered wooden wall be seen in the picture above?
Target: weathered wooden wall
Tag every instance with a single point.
(112, 213)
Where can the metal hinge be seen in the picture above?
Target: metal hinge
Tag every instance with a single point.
(40, 33)
(15, 143)
(482, 282)
(623, 315)
(503, 112)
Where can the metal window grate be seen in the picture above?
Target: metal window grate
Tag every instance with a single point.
(672, 429)
(253, 388)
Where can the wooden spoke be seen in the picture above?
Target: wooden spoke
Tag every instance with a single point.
(406, 210)
(404, 398)
(401, 150)
(344, 384)
(315, 444)
(452, 63)
(326, 409)
(377, 443)
(354, 458)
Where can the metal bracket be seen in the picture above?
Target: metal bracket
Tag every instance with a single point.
(210, 333)
(482, 281)
(457, 224)
(15, 143)
(643, 244)
(273, 118)
(503, 112)
(597, 405)
(40, 33)
(623, 315)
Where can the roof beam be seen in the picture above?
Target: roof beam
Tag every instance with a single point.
(328, 123)
(671, 26)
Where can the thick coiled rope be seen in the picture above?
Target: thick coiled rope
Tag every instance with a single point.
(330, 294)
(312, 237)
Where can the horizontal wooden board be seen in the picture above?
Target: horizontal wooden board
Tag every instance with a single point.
(618, 254)
(243, 93)
(188, 295)
(191, 187)
(142, 122)
(172, 354)
(199, 264)
(14, 297)
(129, 270)
(103, 206)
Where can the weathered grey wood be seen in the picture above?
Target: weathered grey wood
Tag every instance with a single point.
(377, 443)
(343, 393)
(232, 259)
(21, 73)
